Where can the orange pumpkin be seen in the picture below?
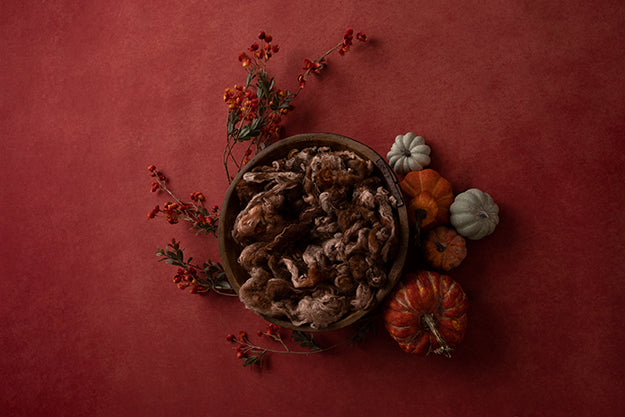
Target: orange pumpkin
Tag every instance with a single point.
(444, 248)
(428, 197)
(427, 312)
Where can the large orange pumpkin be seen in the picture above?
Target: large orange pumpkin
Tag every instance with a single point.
(444, 248)
(428, 197)
(427, 312)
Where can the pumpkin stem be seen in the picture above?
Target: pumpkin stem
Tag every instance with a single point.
(444, 348)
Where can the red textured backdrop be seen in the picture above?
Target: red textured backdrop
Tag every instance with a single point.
(523, 99)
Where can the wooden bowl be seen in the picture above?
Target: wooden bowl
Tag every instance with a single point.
(229, 249)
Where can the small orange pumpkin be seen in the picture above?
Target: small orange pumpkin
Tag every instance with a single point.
(444, 248)
(430, 195)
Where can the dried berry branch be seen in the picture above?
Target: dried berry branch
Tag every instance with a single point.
(210, 276)
(201, 218)
(204, 278)
(253, 354)
(255, 110)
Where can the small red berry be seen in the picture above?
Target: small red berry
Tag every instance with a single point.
(154, 212)
(274, 328)
(301, 80)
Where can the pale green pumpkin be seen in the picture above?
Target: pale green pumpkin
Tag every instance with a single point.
(474, 214)
(408, 153)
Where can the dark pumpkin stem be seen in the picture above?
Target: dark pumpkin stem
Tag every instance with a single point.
(444, 348)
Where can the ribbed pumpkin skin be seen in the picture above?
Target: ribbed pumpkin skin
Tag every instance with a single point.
(474, 214)
(408, 153)
(444, 248)
(429, 191)
(423, 293)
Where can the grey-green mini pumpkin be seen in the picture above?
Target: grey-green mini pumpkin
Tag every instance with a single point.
(408, 153)
(474, 214)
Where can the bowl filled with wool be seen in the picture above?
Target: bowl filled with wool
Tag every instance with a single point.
(313, 232)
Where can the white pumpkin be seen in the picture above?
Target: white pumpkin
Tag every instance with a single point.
(408, 153)
(474, 214)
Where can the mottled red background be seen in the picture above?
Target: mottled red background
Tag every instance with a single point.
(523, 99)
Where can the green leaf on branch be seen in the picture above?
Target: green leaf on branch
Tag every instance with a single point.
(305, 340)
(256, 123)
(256, 359)
(244, 133)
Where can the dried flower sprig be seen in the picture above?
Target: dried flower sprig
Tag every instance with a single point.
(315, 67)
(256, 109)
(201, 279)
(194, 212)
(254, 354)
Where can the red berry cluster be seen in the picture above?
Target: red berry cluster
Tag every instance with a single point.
(259, 52)
(189, 278)
(245, 349)
(242, 99)
(200, 281)
(315, 67)
(272, 331)
(245, 106)
(254, 354)
(348, 39)
(173, 211)
(201, 218)
(159, 178)
(201, 278)
(154, 212)
(252, 116)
